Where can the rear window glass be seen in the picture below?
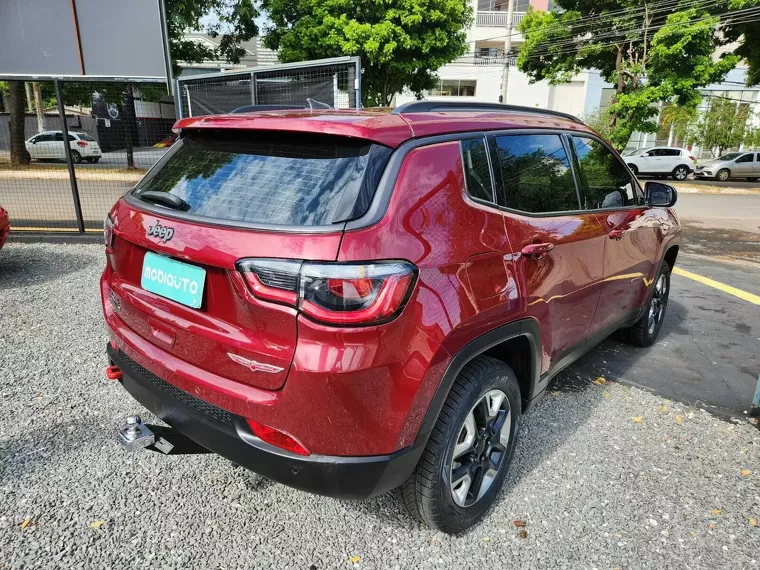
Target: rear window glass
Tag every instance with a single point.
(270, 178)
(85, 137)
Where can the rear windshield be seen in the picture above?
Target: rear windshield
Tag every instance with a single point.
(85, 137)
(270, 178)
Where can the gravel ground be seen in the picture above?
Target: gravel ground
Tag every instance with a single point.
(605, 476)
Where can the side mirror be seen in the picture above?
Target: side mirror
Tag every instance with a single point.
(660, 195)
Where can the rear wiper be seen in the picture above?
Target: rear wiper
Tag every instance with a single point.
(164, 199)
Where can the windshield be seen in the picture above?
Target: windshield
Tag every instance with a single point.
(730, 156)
(635, 151)
(269, 178)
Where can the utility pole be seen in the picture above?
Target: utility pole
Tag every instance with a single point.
(507, 49)
(39, 106)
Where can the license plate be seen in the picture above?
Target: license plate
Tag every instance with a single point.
(173, 279)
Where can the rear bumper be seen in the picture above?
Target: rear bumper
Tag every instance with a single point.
(228, 435)
(5, 228)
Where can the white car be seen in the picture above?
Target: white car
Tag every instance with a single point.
(49, 146)
(662, 160)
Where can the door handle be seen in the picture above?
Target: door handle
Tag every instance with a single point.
(616, 234)
(537, 249)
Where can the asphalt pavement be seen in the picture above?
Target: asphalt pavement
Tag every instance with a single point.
(605, 475)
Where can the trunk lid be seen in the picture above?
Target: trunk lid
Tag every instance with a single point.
(271, 199)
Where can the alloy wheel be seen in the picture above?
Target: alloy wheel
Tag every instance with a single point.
(657, 305)
(481, 448)
(681, 173)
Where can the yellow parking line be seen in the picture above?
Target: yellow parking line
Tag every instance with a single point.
(744, 295)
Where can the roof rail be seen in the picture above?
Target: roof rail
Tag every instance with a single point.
(441, 106)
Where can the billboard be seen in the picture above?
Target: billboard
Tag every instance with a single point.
(83, 39)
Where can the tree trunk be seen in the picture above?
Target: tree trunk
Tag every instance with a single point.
(28, 90)
(39, 105)
(19, 154)
(128, 120)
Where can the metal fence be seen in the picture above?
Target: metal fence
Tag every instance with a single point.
(335, 81)
(117, 131)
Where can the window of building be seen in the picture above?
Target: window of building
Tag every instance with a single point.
(454, 88)
(604, 181)
(535, 174)
(477, 173)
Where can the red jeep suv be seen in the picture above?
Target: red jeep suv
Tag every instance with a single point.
(352, 301)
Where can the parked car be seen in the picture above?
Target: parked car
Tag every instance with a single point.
(49, 146)
(5, 226)
(661, 160)
(731, 165)
(351, 301)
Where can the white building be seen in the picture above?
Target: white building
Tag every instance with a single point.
(477, 76)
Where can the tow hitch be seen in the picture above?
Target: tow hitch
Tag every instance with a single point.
(134, 434)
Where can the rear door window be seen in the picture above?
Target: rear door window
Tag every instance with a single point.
(604, 179)
(256, 177)
(477, 172)
(534, 172)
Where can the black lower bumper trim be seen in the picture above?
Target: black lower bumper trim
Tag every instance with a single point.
(229, 436)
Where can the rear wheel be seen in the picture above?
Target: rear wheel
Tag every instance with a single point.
(644, 331)
(722, 174)
(467, 456)
(76, 158)
(680, 172)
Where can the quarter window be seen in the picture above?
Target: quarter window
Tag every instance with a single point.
(604, 181)
(535, 174)
(477, 174)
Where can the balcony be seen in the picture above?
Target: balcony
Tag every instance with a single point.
(481, 59)
(497, 19)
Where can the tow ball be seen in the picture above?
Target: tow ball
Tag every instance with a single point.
(134, 434)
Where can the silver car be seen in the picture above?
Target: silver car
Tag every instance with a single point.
(731, 165)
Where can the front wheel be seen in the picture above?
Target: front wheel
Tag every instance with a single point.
(468, 454)
(680, 172)
(634, 169)
(645, 330)
(722, 175)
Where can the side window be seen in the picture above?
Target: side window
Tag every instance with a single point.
(758, 157)
(477, 174)
(745, 158)
(671, 152)
(535, 174)
(58, 137)
(604, 180)
(71, 138)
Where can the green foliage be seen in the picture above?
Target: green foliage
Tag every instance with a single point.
(683, 121)
(752, 138)
(233, 20)
(401, 42)
(746, 36)
(650, 55)
(723, 126)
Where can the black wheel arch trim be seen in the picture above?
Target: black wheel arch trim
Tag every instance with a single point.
(527, 328)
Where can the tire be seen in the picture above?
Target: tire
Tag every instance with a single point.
(76, 158)
(645, 330)
(723, 174)
(752, 179)
(95, 160)
(634, 169)
(680, 172)
(428, 494)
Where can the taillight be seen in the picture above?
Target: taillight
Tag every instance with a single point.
(691, 158)
(82, 144)
(277, 438)
(333, 293)
(108, 231)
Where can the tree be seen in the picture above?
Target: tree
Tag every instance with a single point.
(649, 52)
(681, 121)
(17, 103)
(402, 43)
(723, 126)
(743, 30)
(233, 20)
